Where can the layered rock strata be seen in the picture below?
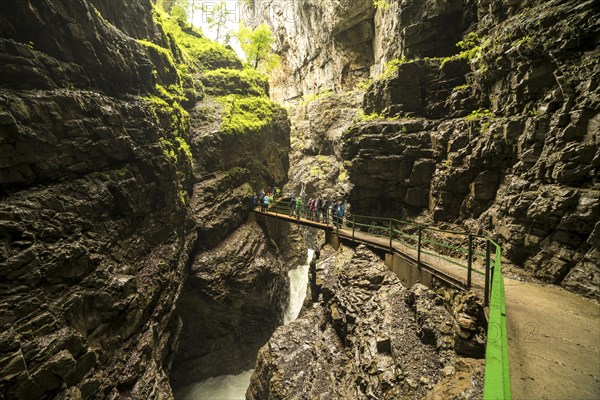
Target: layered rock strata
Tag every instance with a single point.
(324, 45)
(522, 162)
(486, 118)
(366, 336)
(104, 193)
(95, 233)
(231, 303)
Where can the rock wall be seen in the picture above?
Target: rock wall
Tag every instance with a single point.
(499, 135)
(504, 142)
(365, 336)
(324, 45)
(104, 194)
(95, 235)
(232, 301)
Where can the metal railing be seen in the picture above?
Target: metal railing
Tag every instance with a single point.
(470, 252)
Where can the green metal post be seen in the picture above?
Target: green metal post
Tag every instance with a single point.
(353, 226)
(486, 287)
(470, 262)
(419, 246)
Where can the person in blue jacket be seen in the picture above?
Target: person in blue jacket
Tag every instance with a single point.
(341, 209)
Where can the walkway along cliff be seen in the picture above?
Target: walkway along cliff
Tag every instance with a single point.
(477, 113)
(130, 146)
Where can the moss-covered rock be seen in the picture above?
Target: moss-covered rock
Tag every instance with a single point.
(223, 81)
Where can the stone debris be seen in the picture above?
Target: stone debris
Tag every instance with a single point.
(373, 344)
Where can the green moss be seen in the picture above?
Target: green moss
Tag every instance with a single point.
(526, 40)
(362, 117)
(461, 87)
(479, 114)
(391, 67)
(158, 50)
(316, 171)
(223, 81)
(471, 47)
(381, 4)
(196, 49)
(364, 84)
(245, 114)
(470, 41)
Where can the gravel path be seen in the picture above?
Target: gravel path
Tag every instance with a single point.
(554, 342)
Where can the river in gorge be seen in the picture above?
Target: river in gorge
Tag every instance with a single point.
(233, 387)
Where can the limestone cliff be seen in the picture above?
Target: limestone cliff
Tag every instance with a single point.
(103, 189)
(94, 228)
(367, 336)
(483, 114)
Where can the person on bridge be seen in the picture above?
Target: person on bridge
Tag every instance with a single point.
(312, 208)
(318, 205)
(340, 213)
(266, 202)
(298, 207)
(254, 200)
(325, 211)
(334, 207)
(292, 204)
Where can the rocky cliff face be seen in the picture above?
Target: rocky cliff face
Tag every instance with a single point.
(501, 137)
(325, 45)
(95, 234)
(104, 193)
(365, 336)
(232, 301)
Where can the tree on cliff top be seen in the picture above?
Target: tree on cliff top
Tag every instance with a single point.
(256, 43)
(217, 19)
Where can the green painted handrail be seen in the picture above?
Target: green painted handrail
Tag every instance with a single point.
(497, 377)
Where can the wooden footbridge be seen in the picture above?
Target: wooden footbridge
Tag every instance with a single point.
(418, 253)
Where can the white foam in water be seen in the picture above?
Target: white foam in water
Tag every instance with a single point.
(233, 387)
(225, 387)
(298, 283)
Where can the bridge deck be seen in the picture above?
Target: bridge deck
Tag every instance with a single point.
(440, 268)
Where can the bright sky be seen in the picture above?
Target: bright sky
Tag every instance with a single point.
(238, 11)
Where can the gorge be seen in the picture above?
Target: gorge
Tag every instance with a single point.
(132, 262)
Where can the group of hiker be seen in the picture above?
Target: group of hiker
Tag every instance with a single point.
(316, 208)
(263, 199)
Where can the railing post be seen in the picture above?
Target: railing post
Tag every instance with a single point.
(470, 261)
(391, 233)
(419, 246)
(353, 226)
(486, 287)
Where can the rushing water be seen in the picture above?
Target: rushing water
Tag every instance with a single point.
(233, 387)
(298, 283)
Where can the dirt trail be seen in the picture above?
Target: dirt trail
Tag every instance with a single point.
(554, 342)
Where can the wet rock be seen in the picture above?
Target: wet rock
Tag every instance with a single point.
(232, 301)
(522, 170)
(360, 339)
